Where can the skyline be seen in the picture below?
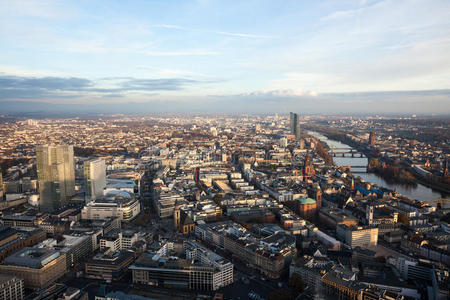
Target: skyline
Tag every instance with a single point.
(210, 56)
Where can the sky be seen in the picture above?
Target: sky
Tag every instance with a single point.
(257, 56)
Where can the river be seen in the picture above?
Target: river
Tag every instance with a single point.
(419, 191)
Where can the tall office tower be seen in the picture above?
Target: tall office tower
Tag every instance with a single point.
(372, 138)
(197, 175)
(56, 175)
(295, 125)
(94, 178)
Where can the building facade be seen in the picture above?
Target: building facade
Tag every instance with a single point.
(11, 287)
(38, 267)
(115, 203)
(94, 178)
(201, 269)
(358, 235)
(56, 175)
(295, 125)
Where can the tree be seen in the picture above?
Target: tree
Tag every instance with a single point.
(374, 163)
(296, 283)
(217, 198)
(404, 219)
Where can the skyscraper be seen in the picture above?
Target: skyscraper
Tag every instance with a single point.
(56, 175)
(94, 178)
(295, 125)
(197, 175)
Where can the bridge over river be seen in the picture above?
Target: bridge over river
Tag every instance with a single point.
(341, 152)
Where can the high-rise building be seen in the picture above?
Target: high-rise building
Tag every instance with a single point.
(295, 125)
(372, 138)
(94, 178)
(197, 175)
(56, 175)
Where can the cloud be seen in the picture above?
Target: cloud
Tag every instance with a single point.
(187, 52)
(168, 26)
(386, 102)
(49, 83)
(244, 35)
(412, 93)
(281, 93)
(171, 84)
(17, 87)
(219, 32)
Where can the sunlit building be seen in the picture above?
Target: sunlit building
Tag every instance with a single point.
(94, 178)
(56, 174)
(115, 203)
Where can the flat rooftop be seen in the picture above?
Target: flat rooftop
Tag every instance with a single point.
(35, 258)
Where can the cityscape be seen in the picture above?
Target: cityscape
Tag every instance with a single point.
(224, 150)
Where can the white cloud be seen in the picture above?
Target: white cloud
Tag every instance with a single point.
(281, 93)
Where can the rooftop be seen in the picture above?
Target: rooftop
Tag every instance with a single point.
(35, 258)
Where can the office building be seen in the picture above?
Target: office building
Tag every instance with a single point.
(270, 255)
(38, 267)
(56, 175)
(197, 175)
(358, 235)
(109, 265)
(75, 246)
(94, 178)
(115, 203)
(12, 240)
(342, 284)
(11, 287)
(117, 240)
(295, 125)
(199, 269)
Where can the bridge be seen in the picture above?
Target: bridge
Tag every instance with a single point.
(337, 148)
(353, 153)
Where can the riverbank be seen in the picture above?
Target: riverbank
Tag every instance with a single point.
(419, 191)
(391, 173)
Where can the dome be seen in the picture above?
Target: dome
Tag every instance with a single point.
(306, 200)
(118, 194)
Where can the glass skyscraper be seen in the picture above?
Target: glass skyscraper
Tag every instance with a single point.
(295, 124)
(94, 178)
(56, 175)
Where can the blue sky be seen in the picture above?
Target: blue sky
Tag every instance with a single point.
(385, 56)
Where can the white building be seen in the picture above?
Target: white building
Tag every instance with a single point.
(202, 269)
(118, 241)
(358, 235)
(120, 204)
(94, 178)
